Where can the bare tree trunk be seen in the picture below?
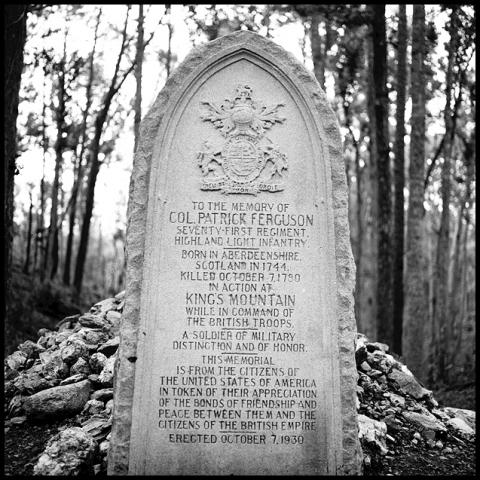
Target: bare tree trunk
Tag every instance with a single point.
(52, 252)
(440, 301)
(138, 77)
(416, 303)
(368, 271)
(41, 223)
(83, 143)
(26, 266)
(95, 163)
(15, 21)
(399, 172)
(456, 296)
(463, 298)
(316, 45)
(384, 290)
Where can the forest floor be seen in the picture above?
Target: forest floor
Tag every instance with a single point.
(418, 459)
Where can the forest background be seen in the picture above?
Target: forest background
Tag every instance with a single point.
(401, 79)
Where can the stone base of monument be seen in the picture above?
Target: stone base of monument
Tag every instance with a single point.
(402, 429)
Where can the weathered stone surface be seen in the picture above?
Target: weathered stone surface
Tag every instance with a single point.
(81, 367)
(73, 379)
(173, 139)
(53, 365)
(109, 407)
(69, 453)
(17, 420)
(103, 394)
(461, 426)
(72, 350)
(408, 383)
(30, 382)
(47, 338)
(15, 406)
(106, 375)
(92, 407)
(62, 400)
(467, 416)
(30, 349)
(426, 422)
(98, 426)
(91, 321)
(16, 361)
(92, 337)
(373, 431)
(103, 307)
(110, 347)
(396, 400)
(97, 362)
(372, 346)
(68, 323)
(114, 317)
(381, 361)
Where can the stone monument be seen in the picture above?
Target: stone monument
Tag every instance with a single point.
(237, 340)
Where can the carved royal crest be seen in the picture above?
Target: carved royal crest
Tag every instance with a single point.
(248, 162)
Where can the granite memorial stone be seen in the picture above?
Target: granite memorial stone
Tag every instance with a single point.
(236, 353)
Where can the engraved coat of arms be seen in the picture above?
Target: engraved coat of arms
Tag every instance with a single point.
(248, 161)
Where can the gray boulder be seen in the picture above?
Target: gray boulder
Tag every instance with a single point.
(58, 401)
(373, 431)
(427, 423)
(97, 362)
(106, 375)
(52, 364)
(68, 453)
(110, 347)
(16, 361)
(408, 383)
(92, 321)
(100, 308)
(80, 367)
(30, 382)
(30, 349)
(72, 349)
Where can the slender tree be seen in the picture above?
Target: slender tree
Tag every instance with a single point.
(384, 290)
(416, 298)
(440, 300)
(457, 285)
(41, 219)
(79, 160)
(399, 175)
(369, 265)
(26, 266)
(14, 35)
(52, 251)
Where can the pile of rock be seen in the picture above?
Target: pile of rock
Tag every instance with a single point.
(69, 372)
(396, 411)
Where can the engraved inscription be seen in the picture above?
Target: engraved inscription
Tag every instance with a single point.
(248, 162)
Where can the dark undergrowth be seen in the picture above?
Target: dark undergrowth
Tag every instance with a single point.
(35, 304)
